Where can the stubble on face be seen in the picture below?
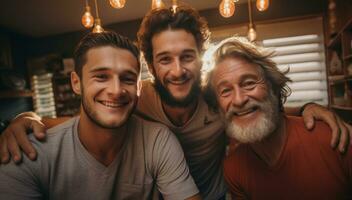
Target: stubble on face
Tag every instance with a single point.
(94, 117)
(167, 97)
(260, 129)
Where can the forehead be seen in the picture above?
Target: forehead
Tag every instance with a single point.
(233, 69)
(110, 57)
(173, 40)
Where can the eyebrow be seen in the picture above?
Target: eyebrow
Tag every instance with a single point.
(100, 69)
(246, 76)
(167, 52)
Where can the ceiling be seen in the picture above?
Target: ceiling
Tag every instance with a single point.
(39, 18)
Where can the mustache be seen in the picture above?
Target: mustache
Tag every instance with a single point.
(233, 110)
(179, 78)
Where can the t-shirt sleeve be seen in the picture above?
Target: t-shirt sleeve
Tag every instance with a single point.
(173, 178)
(20, 181)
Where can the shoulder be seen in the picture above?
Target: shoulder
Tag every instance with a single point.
(320, 133)
(56, 137)
(151, 131)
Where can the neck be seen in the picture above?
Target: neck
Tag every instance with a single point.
(102, 143)
(180, 115)
(269, 150)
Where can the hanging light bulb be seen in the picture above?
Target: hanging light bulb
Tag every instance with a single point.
(227, 8)
(87, 18)
(117, 3)
(174, 6)
(156, 4)
(262, 5)
(252, 34)
(97, 27)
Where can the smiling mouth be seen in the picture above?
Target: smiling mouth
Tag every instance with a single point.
(246, 112)
(179, 82)
(111, 104)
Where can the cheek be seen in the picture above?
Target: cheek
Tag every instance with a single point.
(261, 92)
(132, 91)
(224, 103)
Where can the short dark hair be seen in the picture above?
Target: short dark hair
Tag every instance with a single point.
(158, 20)
(106, 38)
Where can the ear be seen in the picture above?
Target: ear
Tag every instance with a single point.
(76, 83)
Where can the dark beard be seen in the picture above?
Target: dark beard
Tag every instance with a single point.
(170, 100)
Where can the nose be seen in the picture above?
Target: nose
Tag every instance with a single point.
(239, 97)
(115, 87)
(177, 69)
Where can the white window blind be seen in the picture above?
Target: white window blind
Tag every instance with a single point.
(303, 55)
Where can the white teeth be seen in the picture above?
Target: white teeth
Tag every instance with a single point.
(245, 112)
(111, 104)
(178, 82)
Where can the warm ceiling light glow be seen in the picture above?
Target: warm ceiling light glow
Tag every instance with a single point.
(252, 34)
(227, 8)
(174, 6)
(262, 5)
(117, 3)
(87, 18)
(156, 4)
(97, 27)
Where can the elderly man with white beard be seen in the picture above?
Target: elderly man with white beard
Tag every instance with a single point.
(276, 158)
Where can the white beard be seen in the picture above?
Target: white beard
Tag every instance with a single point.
(259, 129)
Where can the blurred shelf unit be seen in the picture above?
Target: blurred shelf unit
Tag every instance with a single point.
(339, 62)
(66, 101)
(43, 95)
(15, 93)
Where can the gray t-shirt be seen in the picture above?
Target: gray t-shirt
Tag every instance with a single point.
(150, 160)
(202, 139)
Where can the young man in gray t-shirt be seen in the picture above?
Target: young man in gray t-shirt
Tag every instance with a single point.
(105, 153)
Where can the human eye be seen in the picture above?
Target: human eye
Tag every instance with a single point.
(100, 77)
(225, 91)
(249, 84)
(129, 80)
(187, 57)
(165, 60)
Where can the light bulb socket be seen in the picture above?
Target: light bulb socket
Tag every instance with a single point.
(87, 8)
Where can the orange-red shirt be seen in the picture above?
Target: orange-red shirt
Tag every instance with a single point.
(308, 168)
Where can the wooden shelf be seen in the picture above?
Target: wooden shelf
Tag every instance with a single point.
(336, 78)
(335, 42)
(342, 107)
(15, 93)
(348, 57)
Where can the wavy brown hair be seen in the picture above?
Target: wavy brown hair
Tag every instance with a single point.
(158, 20)
(240, 47)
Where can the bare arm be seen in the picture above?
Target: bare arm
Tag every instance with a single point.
(14, 138)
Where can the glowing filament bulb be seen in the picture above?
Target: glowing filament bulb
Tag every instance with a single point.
(156, 4)
(87, 18)
(227, 8)
(262, 5)
(174, 6)
(97, 27)
(252, 34)
(117, 3)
